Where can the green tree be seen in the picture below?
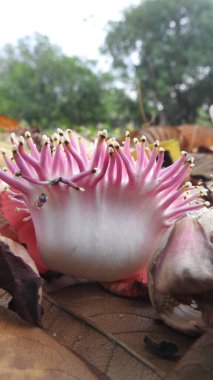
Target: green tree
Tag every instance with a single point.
(43, 86)
(167, 44)
(120, 108)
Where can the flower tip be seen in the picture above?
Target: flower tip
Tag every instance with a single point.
(111, 150)
(12, 137)
(61, 139)
(21, 140)
(135, 140)
(203, 192)
(190, 161)
(55, 137)
(60, 132)
(207, 204)
(3, 151)
(143, 139)
(188, 184)
(161, 149)
(95, 170)
(102, 134)
(111, 142)
(45, 140)
(14, 149)
(27, 134)
(116, 145)
(66, 142)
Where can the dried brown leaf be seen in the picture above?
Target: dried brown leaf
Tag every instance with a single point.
(108, 331)
(195, 136)
(28, 353)
(190, 136)
(8, 124)
(154, 133)
(20, 278)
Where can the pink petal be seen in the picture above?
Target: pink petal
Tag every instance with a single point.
(26, 235)
(22, 231)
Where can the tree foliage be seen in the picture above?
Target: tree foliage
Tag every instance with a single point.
(40, 84)
(168, 46)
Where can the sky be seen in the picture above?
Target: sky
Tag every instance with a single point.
(78, 27)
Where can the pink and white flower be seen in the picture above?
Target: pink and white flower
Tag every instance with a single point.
(98, 215)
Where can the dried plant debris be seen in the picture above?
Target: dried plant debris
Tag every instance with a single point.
(203, 168)
(20, 278)
(162, 349)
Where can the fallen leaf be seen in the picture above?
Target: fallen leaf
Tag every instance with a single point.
(8, 124)
(195, 136)
(190, 136)
(108, 331)
(161, 133)
(20, 278)
(28, 353)
(95, 344)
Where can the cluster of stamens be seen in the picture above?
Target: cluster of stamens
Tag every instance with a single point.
(66, 161)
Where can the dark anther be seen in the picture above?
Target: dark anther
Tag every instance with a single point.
(18, 173)
(55, 181)
(43, 197)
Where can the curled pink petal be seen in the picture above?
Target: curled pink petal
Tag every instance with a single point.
(16, 228)
(181, 275)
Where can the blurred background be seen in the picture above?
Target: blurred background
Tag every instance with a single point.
(124, 64)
